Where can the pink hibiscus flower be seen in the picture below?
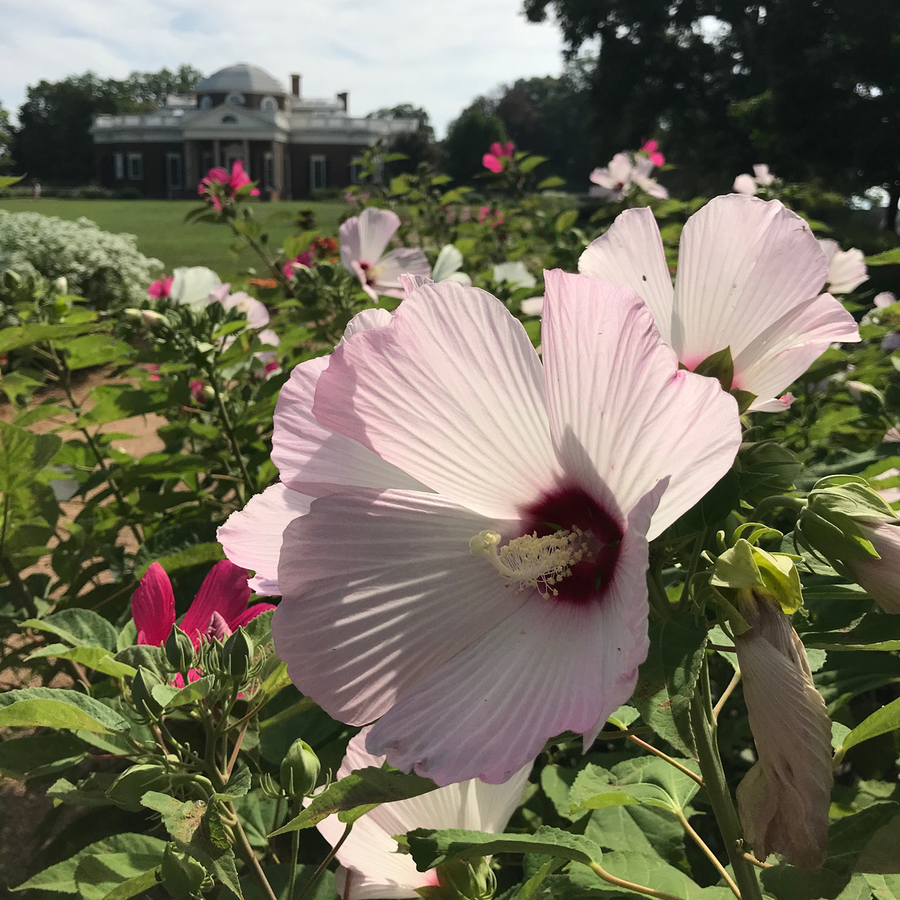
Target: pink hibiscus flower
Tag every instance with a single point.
(364, 239)
(750, 277)
(463, 532)
(614, 182)
(371, 866)
(499, 157)
(651, 148)
(161, 288)
(219, 608)
(219, 181)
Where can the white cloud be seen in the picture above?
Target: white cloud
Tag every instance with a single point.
(438, 54)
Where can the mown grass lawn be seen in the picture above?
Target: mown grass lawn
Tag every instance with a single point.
(162, 232)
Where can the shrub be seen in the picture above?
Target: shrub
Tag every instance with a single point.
(106, 268)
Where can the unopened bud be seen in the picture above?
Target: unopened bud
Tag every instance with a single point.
(141, 693)
(464, 880)
(299, 770)
(179, 650)
(126, 791)
(237, 654)
(181, 874)
(745, 572)
(765, 469)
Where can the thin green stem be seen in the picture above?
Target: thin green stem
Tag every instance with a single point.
(717, 790)
(672, 762)
(630, 885)
(295, 855)
(228, 427)
(692, 834)
(325, 862)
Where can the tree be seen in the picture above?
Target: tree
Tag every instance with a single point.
(468, 139)
(6, 137)
(811, 88)
(152, 88)
(417, 146)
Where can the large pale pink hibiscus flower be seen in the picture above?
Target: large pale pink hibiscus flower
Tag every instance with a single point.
(750, 277)
(363, 242)
(371, 866)
(472, 572)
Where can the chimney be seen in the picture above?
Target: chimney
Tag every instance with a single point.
(343, 97)
(295, 85)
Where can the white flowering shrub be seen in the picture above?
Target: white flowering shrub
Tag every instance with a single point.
(106, 268)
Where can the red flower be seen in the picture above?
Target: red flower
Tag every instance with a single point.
(499, 156)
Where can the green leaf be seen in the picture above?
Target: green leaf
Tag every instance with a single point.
(22, 455)
(95, 658)
(430, 848)
(170, 697)
(118, 858)
(78, 627)
(134, 886)
(668, 678)
(95, 350)
(646, 780)
(887, 258)
(41, 754)
(881, 721)
(367, 787)
(565, 220)
(197, 555)
(181, 819)
(38, 332)
(874, 631)
(58, 708)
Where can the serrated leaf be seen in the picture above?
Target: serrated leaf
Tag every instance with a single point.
(95, 658)
(881, 721)
(59, 708)
(78, 627)
(181, 818)
(668, 678)
(364, 787)
(430, 848)
(40, 754)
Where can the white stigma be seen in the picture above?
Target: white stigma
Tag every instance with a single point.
(538, 562)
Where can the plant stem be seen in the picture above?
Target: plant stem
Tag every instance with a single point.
(672, 762)
(249, 856)
(630, 885)
(328, 858)
(229, 432)
(295, 855)
(735, 681)
(689, 830)
(717, 790)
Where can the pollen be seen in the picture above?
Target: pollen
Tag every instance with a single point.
(532, 561)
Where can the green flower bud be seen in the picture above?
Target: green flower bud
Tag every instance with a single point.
(179, 650)
(834, 522)
(745, 572)
(463, 880)
(126, 791)
(181, 874)
(299, 770)
(141, 693)
(237, 655)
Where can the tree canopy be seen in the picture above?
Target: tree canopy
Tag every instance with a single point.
(813, 88)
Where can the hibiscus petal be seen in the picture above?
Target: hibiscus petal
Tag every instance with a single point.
(789, 346)
(744, 263)
(547, 668)
(376, 228)
(451, 392)
(631, 253)
(250, 613)
(379, 589)
(251, 537)
(225, 591)
(153, 606)
(405, 261)
(620, 406)
(312, 458)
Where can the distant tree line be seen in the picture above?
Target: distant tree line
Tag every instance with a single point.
(52, 140)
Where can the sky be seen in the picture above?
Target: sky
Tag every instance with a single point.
(438, 54)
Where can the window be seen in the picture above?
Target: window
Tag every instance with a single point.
(174, 171)
(317, 172)
(206, 102)
(268, 104)
(206, 161)
(135, 166)
(229, 120)
(268, 171)
(236, 98)
(119, 166)
(356, 173)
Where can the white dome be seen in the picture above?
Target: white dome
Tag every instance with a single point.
(242, 77)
